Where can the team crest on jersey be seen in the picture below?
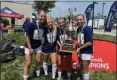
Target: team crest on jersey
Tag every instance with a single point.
(81, 38)
(50, 37)
(38, 33)
(63, 38)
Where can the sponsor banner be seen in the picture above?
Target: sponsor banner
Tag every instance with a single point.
(111, 15)
(104, 57)
(88, 12)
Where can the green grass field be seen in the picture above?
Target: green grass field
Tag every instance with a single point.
(14, 70)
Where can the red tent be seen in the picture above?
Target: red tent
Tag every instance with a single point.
(6, 12)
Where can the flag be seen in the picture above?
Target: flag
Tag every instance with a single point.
(111, 15)
(88, 12)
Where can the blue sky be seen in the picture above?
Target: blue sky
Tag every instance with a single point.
(61, 8)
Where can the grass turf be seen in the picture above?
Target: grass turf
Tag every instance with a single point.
(14, 70)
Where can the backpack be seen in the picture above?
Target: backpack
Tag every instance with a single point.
(6, 57)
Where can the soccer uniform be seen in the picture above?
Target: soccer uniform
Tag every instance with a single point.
(62, 37)
(50, 41)
(35, 33)
(25, 25)
(85, 35)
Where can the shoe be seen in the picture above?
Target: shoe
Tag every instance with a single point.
(38, 78)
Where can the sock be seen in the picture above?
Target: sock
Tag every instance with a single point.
(85, 76)
(68, 74)
(59, 73)
(54, 70)
(38, 73)
(25, 77)
(45, 67)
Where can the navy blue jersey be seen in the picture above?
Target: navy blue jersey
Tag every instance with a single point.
(86, 36)
(60, 31)
(62, 35)
(25, 25)
(35, 34)
(50, 40)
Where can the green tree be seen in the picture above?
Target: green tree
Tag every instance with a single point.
(34, 14)
(56, 19)
(99, 14)
(69, 17)
(5, 21)
(43, 5)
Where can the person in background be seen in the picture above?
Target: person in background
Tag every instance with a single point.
(34, 35)
(26, 24)
(85, 48)
(34, 19)
(13, 22)
(10, 29)
(51, 38)
(2, 28)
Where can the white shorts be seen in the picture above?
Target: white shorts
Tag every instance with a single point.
(24, 33)
(37, 50)
(85, 56)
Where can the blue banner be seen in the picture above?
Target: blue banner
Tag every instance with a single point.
(88, 12)
(111, 15)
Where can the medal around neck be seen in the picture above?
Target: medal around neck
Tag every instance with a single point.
(51, 38)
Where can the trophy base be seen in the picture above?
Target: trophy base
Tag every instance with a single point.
(66, 51)
(69, 48)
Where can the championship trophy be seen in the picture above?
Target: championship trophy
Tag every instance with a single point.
(68, 45)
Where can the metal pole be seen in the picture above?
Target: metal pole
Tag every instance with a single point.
(93, 16)
(103, 10)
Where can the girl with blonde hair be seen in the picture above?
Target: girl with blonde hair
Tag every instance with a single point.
(51, 38)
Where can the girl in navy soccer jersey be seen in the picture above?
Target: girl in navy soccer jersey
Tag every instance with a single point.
(85, 48)
(34, 34)
(51, 38)
(62, 36)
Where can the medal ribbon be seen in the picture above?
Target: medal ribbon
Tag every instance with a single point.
(51, 37)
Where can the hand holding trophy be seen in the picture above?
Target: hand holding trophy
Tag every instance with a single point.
(68, 44)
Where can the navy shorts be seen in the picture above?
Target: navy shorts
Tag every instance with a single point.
(48, 50)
